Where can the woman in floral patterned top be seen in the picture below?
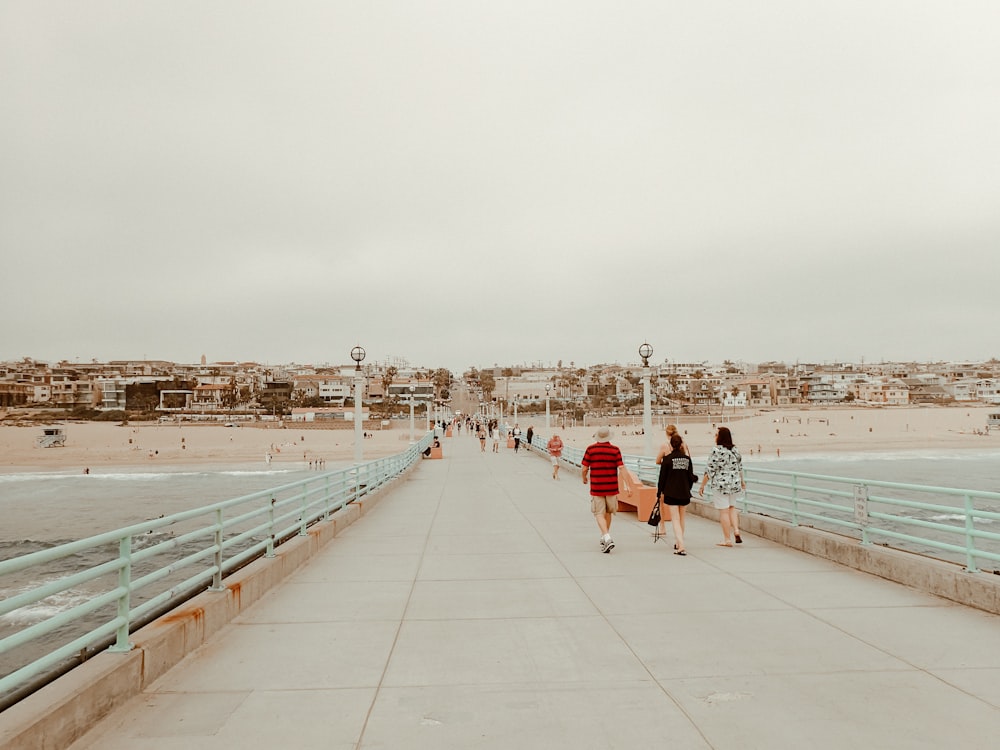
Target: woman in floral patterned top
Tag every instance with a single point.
(725, 469)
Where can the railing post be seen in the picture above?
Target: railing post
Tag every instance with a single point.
(303, 511)
(970, 539)
(326, 498)
(125, 600)
(217, 576)
(861, 511)
(795, 500)
(270, 529)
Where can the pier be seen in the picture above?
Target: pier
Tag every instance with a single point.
(471, 606)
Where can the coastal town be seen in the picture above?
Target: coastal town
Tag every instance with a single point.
(303, 392)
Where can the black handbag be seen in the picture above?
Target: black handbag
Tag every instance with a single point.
(654, 514)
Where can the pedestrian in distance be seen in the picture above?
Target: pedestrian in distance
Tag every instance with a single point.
(496, 438)
(724, 469)
(673, 488)
(482, 439)
(555, 449)
(603, 462)
(517, 437)
(530, 434)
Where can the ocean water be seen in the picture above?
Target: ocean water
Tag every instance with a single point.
(977, 470)
(55, 507)
(971, 469)
(40, 510)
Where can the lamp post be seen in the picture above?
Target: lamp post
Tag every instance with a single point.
(646, 351)
(516, 398)
(357, 354)
(548, 424)
(413, 388)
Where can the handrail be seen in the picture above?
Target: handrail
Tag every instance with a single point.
(862, 508)
(194, 549)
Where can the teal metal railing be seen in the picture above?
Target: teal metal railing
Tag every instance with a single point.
(948, 524)
(941, 522)
(151, 567)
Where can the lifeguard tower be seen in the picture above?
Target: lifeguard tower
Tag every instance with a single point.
(51, 437)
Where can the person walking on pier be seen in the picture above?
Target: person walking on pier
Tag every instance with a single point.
(725, 470)
(674, 487)
(517, 437)
(555, 449)
(664, 450)
(605, 466)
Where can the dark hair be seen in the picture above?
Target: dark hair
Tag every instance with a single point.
(676, 441)
(724, 438)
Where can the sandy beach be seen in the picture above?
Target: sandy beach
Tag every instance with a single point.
(797, 432)
(98, 445)
(103, 445)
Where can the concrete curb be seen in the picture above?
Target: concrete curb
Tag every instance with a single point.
(61, 712)
(947, 580)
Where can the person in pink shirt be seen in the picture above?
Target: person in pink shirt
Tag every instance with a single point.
(555, 448)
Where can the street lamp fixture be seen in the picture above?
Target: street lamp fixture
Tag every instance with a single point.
(548, 425)
(646, 351)
(413, 389)
(357, 354)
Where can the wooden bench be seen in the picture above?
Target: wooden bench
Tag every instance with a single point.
(642, 500)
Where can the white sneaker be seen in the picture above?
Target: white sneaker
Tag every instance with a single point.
(608, 544)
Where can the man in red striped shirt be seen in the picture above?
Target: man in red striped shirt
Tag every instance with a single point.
(603, 461)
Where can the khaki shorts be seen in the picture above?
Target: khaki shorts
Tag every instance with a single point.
(599, 505)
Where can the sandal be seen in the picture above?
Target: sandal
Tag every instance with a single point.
(739, 539)
(724, 544)
(680, 552)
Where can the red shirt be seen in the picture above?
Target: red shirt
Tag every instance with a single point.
(603, 460)
(555, 446)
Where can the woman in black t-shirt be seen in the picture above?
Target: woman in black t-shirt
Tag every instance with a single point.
(674, 487)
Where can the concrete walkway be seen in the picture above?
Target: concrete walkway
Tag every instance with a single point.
(473, 608)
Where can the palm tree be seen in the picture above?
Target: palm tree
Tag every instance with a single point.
(488, 384)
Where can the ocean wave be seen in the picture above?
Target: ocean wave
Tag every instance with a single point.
(48, 607)
(957, 517)
(145, 476)
(886, 456)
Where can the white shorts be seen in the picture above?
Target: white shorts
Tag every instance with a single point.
(555, 460)
(721, 501)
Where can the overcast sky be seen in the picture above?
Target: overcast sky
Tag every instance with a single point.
(466, 183)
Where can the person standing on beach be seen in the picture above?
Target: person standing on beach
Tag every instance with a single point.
(674, 487)
(555, 448)
(724, 469)
(603, 462)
